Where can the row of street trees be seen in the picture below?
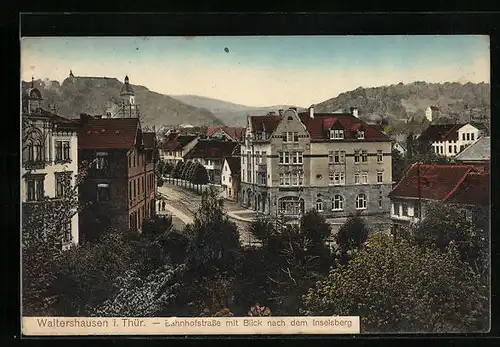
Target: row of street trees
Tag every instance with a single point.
(190, 174)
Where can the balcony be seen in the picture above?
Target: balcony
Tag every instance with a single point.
(34, 164)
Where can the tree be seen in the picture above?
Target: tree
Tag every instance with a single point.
(142, 296)
(395, 286)
(351, 237)
(176, 172)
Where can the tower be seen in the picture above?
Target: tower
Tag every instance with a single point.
(71, 74)
(32, 99)
(128, 108)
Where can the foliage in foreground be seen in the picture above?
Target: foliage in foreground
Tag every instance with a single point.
(395, 286)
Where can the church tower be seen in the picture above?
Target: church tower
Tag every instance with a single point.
(32, 99)
(128, 108)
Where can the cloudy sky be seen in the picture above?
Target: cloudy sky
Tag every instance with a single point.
(261, 70)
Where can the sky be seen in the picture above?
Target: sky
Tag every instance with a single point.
(261, 70)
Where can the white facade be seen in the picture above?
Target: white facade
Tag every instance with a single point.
(430, 113)
(227, 184)
(467, 134)
(46, 168)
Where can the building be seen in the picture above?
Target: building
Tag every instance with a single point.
(477, 154)
(211, 153)
(400, 147)
(231, 178)
(432, 113)
(49, 152)
(121, 185)
(227, 133)
(333, 162)
(461, 185)
(450, 139)
(175, 146)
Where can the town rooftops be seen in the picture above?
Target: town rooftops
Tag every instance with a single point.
(479, 150)
(319, 126)
(441, 132)
(434, 108)
(437, 182)
(108, 133)
(236, 133)
(474, 190)
(213, 149)
(176, 141)
(149, 139)
(234, 164)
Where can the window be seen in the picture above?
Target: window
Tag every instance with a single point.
(130, 190)
(356, 157)
(35, 189)
(364, 177)
(102, 192)
(287, 179)
(299, 157)
(450, 149)
(282, 179)
(319, 205)
(229, 179)
(133, 159)
(472, 136)
(336, 134)
(468, 136)
(357, 178)
(336, 157)
(338, 203)
(287, 157)
(61, 178)
(405, 209)
(361, 135)
(65, 150)
(455, 149)
(337, 178)
(291, 205)
(101, 160)
(66, 232)
(330, 157)
(59, 151)
(380, 156)
(342, 157)
(364, 156)
(380, 177)
(129, 162)
(135, 188)
(463, 137)
(380, 199)
(295, 180)
(295, 137)
(284, 136)
(361, 202)
(142, 183)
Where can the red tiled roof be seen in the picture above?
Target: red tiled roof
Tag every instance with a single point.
(213, 149)
(234, 165)
(441, 132)
(437, 182)
(177, 141)
(235, 133)
(474, 190)
(319, 126)
(434, 108)
(108, 133)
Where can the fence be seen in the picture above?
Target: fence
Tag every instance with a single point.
(196, 188)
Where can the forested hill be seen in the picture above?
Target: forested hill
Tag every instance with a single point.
(402, 101)
(95, 95)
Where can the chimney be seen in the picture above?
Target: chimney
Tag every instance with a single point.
(311, 111)
(84, 118)
(280, 112)
(354, 111)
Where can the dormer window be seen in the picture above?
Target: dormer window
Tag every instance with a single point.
(361, 135)
(336, 134)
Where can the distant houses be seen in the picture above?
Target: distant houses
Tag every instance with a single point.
(432, 113)
(231, 178)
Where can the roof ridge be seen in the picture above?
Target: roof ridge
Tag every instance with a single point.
(458, 184)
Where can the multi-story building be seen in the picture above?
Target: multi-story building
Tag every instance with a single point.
(462, 186)
(175, 146)
(211, 153)
(50, 151)
(450, 139)
(231, 178)
(120, 187)
(333, 162)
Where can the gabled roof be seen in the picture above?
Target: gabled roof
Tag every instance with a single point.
(440, 132)
(434, 108)
(108, 133)
(235, 133)
(234, 164)
(319, 126)
(176, 141)
(479, 150)
(61, 122)
(437, 182)
(212, 149)
(474, 190)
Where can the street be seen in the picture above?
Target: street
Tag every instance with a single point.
(182, 204)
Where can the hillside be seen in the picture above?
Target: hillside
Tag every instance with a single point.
(230, 113)
(403, 101)
(96, 95)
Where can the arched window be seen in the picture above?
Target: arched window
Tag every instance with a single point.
(29, 151)
(361, 201)
(338, 203)
(319, 205)
(290, 205)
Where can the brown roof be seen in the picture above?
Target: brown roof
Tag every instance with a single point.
(234, 164)
(474, 190)
(319, 126)
(213, 149)
(440, 132)
(434, 108)
(437, 182)
(176, 141)
(236, 133)
(108, 133)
